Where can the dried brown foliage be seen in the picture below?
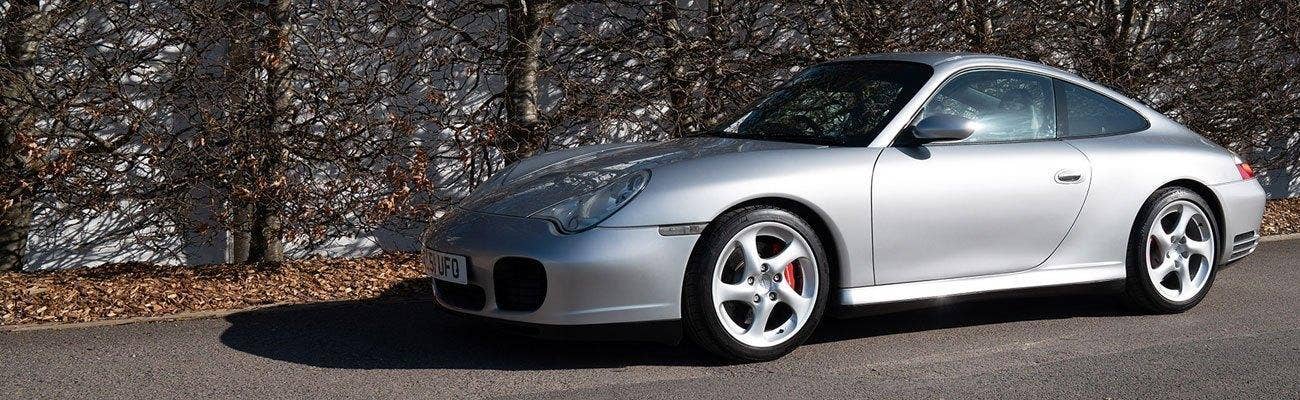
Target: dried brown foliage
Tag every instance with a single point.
(137, 290)
(1281, 217)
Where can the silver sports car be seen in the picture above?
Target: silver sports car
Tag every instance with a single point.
(862, 182)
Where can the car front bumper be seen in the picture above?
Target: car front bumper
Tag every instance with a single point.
(598, 277)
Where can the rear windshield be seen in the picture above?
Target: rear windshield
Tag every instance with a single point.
(839, 104)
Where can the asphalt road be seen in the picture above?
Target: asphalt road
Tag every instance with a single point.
(1243, 341)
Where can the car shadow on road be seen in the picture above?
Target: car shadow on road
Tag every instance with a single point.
(1011, 307)
(401, 332)
(404, 329)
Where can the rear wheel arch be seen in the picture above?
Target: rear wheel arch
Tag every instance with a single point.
(1216, 208)
(1143, 291)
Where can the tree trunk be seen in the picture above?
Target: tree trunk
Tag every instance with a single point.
(265, 242)
(258, 233)
(241, 237)
(15, 224)
(678, 87)
(257, 237)
(525, 21)
(266, 236)
(713, 81)
(17, 168)
(978, 24)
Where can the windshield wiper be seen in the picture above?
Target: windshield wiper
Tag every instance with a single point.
(714, 133)
(786, 137)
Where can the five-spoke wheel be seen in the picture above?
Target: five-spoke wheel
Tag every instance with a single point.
(764, 284)
(756, 285)
(1180, 249)
(1172, 259)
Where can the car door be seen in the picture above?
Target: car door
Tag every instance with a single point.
(999, 201)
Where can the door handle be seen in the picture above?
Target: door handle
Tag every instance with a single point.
(1069, 176)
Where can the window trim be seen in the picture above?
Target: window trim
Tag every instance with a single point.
(901, 102)
(899, 141)
(1062, 127)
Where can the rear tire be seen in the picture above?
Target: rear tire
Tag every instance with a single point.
(1172, 253)
(733, 284)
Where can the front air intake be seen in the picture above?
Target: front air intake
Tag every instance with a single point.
(468, 297)
(520, 284)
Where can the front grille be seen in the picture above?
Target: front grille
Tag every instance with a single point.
(469, 297)
(520, 284)
(1243, 245)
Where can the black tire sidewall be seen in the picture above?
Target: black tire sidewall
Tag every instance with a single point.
(1139, 287)
(701, 317)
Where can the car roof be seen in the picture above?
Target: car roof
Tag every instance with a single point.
(947, 62)
(929, 58)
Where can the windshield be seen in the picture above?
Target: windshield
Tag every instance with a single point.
(838, 104)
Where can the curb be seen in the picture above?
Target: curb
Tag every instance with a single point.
(206, 314)
(1278, 238)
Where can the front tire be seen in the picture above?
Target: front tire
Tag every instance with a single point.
(756, 285)
(1172, 256)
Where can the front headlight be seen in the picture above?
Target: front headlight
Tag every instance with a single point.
(579, 213)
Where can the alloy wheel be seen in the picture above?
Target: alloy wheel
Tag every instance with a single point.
(765, 284)
(1180, 251)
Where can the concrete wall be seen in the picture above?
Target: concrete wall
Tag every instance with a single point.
(102, 239)
(1281, 183)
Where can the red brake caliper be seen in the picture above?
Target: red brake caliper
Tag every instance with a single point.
(790, 277)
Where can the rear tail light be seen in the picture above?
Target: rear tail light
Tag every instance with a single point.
(1247, 173)
(1244, 168)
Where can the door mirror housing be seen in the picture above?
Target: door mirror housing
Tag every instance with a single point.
(943, 127)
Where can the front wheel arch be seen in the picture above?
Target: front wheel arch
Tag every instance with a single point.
(700, 310)
(830, 240)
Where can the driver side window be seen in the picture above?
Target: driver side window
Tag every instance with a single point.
(1007, 106)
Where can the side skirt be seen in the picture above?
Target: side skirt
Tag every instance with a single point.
(936, 289)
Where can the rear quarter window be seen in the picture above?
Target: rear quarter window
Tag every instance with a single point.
(1088, 113)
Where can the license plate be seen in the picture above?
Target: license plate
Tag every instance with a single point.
(450, 268)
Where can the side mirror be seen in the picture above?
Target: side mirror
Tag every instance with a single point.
(943, 127)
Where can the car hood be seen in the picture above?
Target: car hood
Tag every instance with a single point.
(546, 179)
